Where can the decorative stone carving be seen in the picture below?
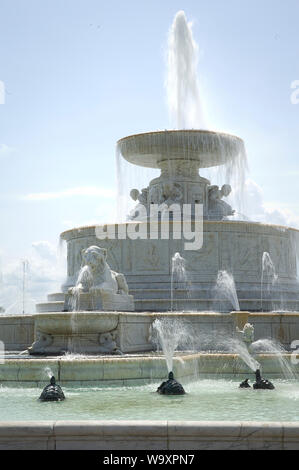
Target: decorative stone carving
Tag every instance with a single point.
(179, 168)
(150, 258)
(113, 253)
(141, 197)
(205, 259)
(155, 194)
(232, 246)
(107, 342)
(247, 333)
(139, 211)
(172, 193)
(102, 288)
(41, 344)
(241, 253)
(218, 209)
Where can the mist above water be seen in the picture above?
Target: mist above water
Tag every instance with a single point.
(179, 277)
(171, 334)
(225, 287)
(272, 346)
(269, 277)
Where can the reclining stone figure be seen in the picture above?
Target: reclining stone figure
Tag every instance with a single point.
(100, 287)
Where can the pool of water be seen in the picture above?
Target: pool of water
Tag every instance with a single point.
(206, 400)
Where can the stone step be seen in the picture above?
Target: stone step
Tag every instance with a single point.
(189, 304)
(240, 287)
(44, 307)
(207, 294)
(56, 297)
(213, 305)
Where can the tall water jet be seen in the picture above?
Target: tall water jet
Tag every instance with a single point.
(25, 265)
(179, 277)
(184, 103)
(270, 346)
(171, 334)
(185, 110)
(225, 286)
(240, 348)
(269, 276)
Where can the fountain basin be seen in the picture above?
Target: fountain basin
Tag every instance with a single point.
(76, 322)
(207, 148)
(56, 333)
(17, 332)
(236, 247)
(149, 435)
(134, 369)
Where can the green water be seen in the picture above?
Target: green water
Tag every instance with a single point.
(206, 400)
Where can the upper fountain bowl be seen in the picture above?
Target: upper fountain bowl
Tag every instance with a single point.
(207, 148)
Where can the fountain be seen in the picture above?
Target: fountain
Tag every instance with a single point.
(179, 278)
(118, 297)
(225, 286)
(122, 277)
(269, 276)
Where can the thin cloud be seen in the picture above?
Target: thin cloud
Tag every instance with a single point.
(72, 192)
(5, 150)
(257, 209)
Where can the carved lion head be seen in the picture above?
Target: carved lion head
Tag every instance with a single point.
(94, 257)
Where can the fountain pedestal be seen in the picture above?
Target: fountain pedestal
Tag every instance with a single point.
(90, 333)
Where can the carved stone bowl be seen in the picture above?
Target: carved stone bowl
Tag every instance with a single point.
(207, 148)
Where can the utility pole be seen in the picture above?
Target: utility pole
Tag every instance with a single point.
(25, 268)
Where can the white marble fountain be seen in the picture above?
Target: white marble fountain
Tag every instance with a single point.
(126, 296)
(120, 278)
(95, 290)
(117, 285)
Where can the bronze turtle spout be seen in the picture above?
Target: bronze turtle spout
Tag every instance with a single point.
(261, 383)
(171, 386)
(52, 392)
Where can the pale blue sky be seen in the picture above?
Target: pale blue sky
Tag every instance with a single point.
(80, 74)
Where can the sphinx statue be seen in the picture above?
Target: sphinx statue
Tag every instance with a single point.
(218, 209)
(42, 343)
(98, 287)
